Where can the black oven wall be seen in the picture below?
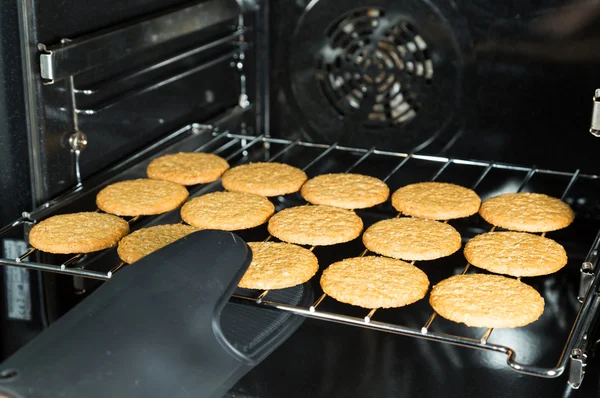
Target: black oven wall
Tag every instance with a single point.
(479, 79)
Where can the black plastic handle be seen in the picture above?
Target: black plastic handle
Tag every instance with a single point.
(152, 331)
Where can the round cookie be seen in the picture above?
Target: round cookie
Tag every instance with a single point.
(229, 211)
(315, 225)
(412, 238)
(489, 301)
(278, 265)
(348, 191)
(187, 168)
(374, 282)
(515, 254)
(436, 201)
(266, 179)
(78, 233)
(147, 240)
(141, 197)
(528, 212)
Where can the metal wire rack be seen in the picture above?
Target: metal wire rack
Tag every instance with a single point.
(574, 351)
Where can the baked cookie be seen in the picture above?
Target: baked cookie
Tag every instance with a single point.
(266, 179)
(315, 225)
(141, 197)
(488, 301)
(412, 239)
(436, 201)
(374, 282)
(187, 168)
(529, 212)
(147, 240)
(515, 253)
(348, 191)
(229, 211)
(278, 265)
(78, 233)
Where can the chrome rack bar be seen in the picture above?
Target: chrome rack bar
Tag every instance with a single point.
(14, 224)
(243, 148)
(27, 254)
(407, 331)
(212, 141)
(439, 159)
(570, 184)
(362, 159)
(442, 169)
(283, 151)
(326, 152)
(398, 167)
(189, 53)
(482, 176)
(57, 269)
(527, 178)
(134, 93)
(226, 146)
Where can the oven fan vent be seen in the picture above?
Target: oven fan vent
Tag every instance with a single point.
(374, 70)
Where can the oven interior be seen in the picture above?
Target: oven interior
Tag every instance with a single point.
(494, 97)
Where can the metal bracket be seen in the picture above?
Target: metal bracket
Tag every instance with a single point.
(243, 101)
(578, 361)
(595, 124)
(585, 279)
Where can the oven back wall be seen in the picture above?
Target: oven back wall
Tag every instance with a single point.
(478, 79)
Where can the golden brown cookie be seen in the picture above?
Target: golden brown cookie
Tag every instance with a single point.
(78, 233)
(147, 240)
(229, 211)
(374, 282)
(436, 201)
(266, 179)
(515, 253)
(529, 212)
(187, 168)
(278, 265)
(348, 191)
(412, 238)
(141, 197)
(489, 301)
(315, 225)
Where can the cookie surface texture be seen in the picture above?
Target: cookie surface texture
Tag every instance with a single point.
(141, 197)
(489, 301)
(436, 201)
(228, 211)
(515, 254)
(374, 282)
(409, 238)
(528, 212)
(187, 168)
(266, 179)
(147, 240)
(348, 191)
(315, 225)
(278, 265)
(78, 233)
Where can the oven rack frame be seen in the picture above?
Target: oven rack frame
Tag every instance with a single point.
(574, 353)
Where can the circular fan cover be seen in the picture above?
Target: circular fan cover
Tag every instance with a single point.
(389, 64)
(385, 75)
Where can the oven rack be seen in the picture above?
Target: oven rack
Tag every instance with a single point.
(574, 351)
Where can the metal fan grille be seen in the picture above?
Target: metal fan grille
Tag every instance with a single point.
(374, 69)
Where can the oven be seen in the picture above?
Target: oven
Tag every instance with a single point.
(495, 97)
